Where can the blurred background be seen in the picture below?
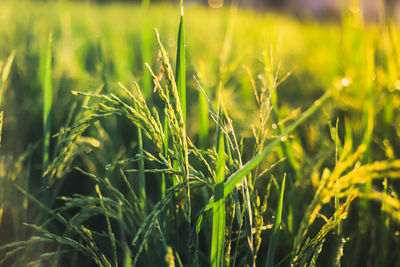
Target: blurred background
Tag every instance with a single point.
(316, 8)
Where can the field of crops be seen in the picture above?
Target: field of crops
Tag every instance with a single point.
(168, 135)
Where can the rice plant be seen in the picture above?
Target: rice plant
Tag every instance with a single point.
(223, 138)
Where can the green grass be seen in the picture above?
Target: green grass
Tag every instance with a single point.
(181, 65)
(218, 225)
(46, 77)
(146, 46)
(273, 243)
(227, 138)
(1, 124)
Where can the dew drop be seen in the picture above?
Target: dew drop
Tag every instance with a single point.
(346, 82)
(283, 138)
(274, 126)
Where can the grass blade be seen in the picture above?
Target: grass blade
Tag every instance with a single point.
(163, 219)
(142, 180)
(128, 258)
(1, 131)
(146, 47)
(47, 99)
(274, 239)
(218, 225)
(1, 128)
(204, 124)
(180, 66)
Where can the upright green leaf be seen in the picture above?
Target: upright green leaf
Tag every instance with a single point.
(273, 243)
(218, 221)
(180, 66)
(146, 47)
(203, 116)
(47, 101)
(1, 126)
(164, 179)
(128, 257)
(142, 181)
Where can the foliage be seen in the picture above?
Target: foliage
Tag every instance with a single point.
(111, 154)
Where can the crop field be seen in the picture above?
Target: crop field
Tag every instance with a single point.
(183, 135)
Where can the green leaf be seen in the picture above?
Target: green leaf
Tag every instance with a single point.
(218, 221)
(47, 100)
(146, 47)
(180, 66)
(142, 180)
(203, 118)
(275, 235)
(1, 129)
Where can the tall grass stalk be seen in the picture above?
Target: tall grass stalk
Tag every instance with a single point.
(181, 65)
(181, 88)
(47, 104)
(218, 220)
(272, 81)
(141, 182)
(203, 119)
(146, 57)
(337, 199)
(142, 178)
(1, 131)
(273, 243)
(225, 69)
(146, 47)
(285, 149)
(164, 181)
(367, 83)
